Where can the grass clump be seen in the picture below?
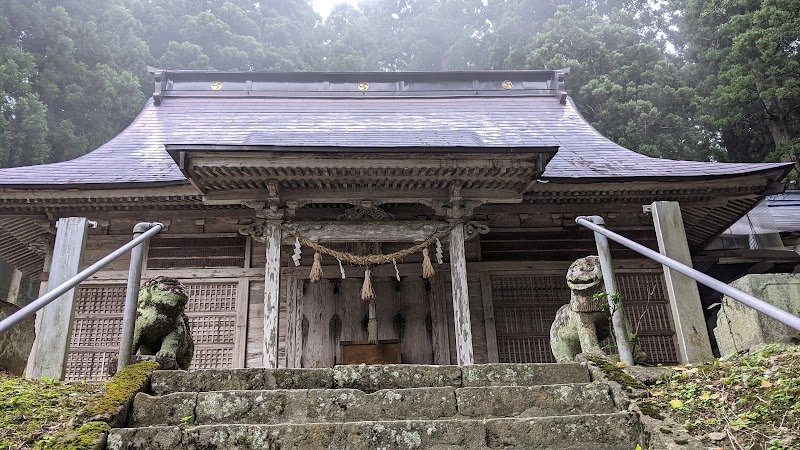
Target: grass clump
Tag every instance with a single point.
(35, 411)
(747, 401)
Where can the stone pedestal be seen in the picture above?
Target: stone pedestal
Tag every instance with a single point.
(740, 327)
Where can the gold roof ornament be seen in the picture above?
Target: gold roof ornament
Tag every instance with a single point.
(216, 85)
(507, 85)
(363, 86)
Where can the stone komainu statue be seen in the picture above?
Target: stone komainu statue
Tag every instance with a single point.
(580, 326)
(162, 328)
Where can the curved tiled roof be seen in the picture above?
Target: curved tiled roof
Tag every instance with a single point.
(137, 156)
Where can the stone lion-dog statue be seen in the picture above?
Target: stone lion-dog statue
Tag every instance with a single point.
(162, 328)
(580, 325)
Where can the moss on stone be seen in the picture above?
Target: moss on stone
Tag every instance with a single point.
(121, 388)
(89, 436)
(35, 410)
(615, 373)
(651, 410)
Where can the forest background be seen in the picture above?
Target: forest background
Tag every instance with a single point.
(702, 80)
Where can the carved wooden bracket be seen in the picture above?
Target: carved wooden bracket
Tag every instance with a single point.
(366, 213)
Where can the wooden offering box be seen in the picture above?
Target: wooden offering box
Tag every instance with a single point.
(363, 352)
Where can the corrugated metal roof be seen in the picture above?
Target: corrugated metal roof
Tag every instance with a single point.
(501, 120)
(785, 210)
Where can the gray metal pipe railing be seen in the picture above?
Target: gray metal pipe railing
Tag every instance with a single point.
(756, 303)
(34, 306)
(618, 321)
(131, 297)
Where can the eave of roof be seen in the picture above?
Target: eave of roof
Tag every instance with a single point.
(518, 117)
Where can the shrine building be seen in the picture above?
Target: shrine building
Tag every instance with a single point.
(477, 175)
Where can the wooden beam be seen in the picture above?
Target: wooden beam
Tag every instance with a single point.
(458, 273)
(52, 342)
(390, 231)
(272, 285)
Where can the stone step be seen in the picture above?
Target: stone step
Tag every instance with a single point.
(597, 431)
(351, 405)
(368, 378)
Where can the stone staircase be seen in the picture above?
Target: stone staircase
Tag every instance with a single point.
(494, 406)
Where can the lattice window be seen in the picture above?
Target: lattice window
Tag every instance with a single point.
(525, 306)
(174, 252)
(98, 323)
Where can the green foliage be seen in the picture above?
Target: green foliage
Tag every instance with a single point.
(73, 75)
(752, 396)
(746, 64)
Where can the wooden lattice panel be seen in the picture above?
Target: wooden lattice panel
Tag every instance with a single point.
(173, 252)
(525, 306)
(98, 324)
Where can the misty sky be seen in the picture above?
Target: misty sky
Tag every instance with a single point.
(324, 7)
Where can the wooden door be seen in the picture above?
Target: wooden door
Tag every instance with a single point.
(332, 311)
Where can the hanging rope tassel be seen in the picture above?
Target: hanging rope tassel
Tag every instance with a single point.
(427, 267)
(366, 290)
(316, 268)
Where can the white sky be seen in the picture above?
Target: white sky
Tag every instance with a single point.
(324, 7)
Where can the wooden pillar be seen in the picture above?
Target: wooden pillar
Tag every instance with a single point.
(458, 272)
(43, 285)
(272, 289)
(53, 338)
(13, 287)
(684, 298)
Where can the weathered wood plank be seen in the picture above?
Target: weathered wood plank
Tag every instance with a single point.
(272, 277)
(292, 296)
(398, 231)
(388, 306)
(416, 345)
(118, 275)
(255, 324)
(350, 309)
(440, 336)
(476, 319)
(317, 341)
(52, 342)
(461, 312)
(684, 298)
(240, 325)
(492, 355)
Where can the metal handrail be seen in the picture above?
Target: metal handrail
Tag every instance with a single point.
(34, 306)
(756, 303)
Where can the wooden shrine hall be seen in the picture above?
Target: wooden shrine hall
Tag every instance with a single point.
(454, 194)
